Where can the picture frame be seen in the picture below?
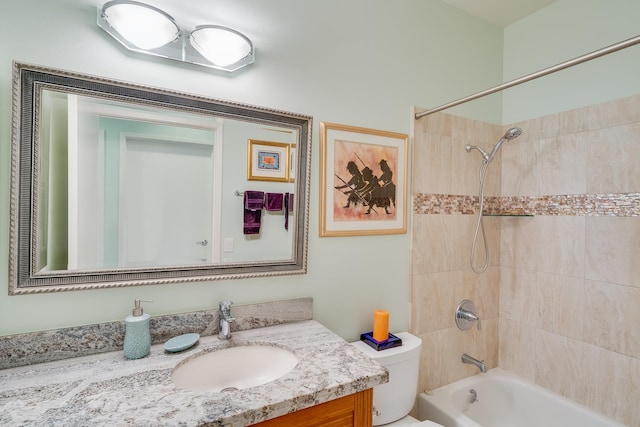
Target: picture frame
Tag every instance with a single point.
(267, 161)
(363, 185)
(293, 153)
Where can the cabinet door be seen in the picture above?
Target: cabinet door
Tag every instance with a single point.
(353, 410)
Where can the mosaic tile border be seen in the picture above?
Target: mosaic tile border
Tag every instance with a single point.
(615, 205)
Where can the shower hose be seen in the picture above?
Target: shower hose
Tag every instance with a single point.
(480, 225)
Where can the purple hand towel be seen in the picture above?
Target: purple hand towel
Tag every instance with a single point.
(273, 202)
(288, 199)
(251, 222)
(254, 200)
(253, 203)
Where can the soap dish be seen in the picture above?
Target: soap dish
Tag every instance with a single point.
(181, 342)
(391, 342)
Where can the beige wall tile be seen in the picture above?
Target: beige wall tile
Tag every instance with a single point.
(562, 165)
(487, 297)
(612, 160)
(430, 248)
(560, 245)
(518, 295)
(517, 244)
(549, 244)
(437, 124)
(517, 348)
(436, 297)
(575, 121)
(613, 384)
(487, 342)
(548, 126)
(431, 164)
(615, 113)
(612, 247)
(561, 305)
(611, 317)
(421, 242)
(492, 232)
(441, 242)
(520, 173)
(440, 358)
(558, 366)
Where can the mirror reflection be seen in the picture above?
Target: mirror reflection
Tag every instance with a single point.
(134, 185)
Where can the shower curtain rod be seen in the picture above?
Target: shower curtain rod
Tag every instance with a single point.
(570, 63)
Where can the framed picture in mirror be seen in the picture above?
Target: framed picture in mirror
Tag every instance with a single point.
(292, 163)
(267, 161)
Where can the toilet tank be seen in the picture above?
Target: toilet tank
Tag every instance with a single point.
(394, 400)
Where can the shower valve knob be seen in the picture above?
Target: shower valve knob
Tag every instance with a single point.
(465, 315)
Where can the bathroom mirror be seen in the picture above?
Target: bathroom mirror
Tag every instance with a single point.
(117, 184)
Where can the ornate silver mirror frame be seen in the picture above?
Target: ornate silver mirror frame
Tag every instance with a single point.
(26, 277)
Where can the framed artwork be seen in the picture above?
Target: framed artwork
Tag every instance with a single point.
(363, 181)
(267, 161)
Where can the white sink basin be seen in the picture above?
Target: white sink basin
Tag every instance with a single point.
(234, 368)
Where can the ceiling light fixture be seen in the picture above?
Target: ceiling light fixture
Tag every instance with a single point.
(146, 29)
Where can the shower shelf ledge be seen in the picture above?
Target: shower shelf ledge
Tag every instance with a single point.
(515, 215)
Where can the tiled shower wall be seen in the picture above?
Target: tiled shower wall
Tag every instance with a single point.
(566, 283)
(444, 180)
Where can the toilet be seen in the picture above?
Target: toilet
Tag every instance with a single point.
(393, 401)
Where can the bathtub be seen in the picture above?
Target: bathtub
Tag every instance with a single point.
(504, 400)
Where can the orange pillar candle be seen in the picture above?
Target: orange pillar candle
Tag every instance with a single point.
(380, 325)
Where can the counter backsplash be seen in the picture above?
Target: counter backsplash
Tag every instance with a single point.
(65, 343)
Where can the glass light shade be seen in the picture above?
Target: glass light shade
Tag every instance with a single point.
(219, 45)
(144, 26)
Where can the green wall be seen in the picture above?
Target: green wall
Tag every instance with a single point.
(562, 31)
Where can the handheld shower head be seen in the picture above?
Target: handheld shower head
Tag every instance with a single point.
(512, 133)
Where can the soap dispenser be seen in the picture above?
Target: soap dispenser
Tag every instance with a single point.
(137, 336)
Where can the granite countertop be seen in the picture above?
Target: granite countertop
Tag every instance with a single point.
(107, 389)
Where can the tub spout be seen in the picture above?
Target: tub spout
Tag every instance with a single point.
(473, 361)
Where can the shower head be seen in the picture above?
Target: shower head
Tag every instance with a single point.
(512, 133)
(488, 158)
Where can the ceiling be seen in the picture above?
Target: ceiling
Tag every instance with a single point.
(500, 12)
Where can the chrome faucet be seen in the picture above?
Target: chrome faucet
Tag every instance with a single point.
(225, 320)
(473, 361)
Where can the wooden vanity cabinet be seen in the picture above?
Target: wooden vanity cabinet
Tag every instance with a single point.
(355, 410)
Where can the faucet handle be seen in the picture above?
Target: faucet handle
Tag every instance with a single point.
(465, 315)
(225, 311)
